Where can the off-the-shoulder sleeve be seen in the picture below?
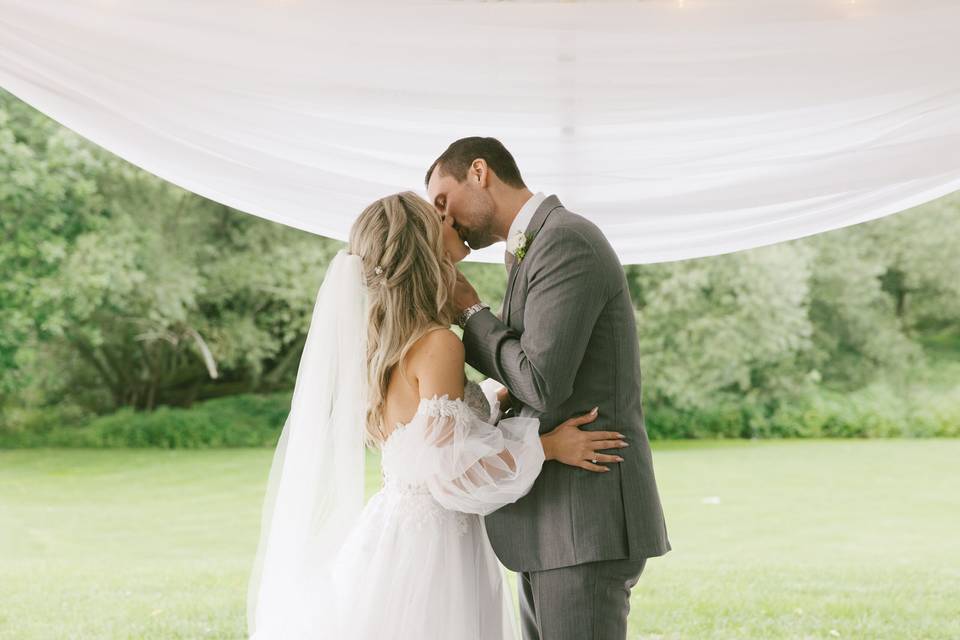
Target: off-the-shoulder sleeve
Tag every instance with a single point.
(470, 465)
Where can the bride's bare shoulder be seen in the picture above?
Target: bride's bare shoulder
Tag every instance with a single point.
(438, 346)
(436, 360)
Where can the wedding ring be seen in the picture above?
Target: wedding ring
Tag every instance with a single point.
(594, 461)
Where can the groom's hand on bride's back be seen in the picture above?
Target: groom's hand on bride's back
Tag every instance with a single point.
(573, 446)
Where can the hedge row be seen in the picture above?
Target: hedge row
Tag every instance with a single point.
(256, 420)
(235, 421)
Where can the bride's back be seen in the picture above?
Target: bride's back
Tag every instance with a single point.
(433, 366)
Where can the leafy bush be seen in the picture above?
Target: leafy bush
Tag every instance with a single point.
(244, 420)
(881, 410)
(247, 420)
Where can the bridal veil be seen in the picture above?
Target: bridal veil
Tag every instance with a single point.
(315, 487)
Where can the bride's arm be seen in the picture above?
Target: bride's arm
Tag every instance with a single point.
(438, 368)
(567, 443)
(437, 364)
(467, 464)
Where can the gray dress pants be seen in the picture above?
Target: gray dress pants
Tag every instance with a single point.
(583, 602)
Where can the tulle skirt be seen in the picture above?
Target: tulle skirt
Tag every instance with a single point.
(412, 570)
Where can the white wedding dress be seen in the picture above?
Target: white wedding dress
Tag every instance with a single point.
(417, 565)
(414, 563)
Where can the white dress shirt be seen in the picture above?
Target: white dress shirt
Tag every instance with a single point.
(522, 221)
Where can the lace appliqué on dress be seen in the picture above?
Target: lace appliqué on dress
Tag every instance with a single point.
(418, 506)
(442, 407)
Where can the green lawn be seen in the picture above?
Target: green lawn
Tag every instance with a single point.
(795, 539)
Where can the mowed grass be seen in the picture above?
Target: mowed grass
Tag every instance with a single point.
(780, 539)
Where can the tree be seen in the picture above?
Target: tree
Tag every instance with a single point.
(134, 291)
(724, 329)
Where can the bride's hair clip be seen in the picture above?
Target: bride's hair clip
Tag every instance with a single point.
(378, 270)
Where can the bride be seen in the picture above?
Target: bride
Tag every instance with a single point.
(381, 368)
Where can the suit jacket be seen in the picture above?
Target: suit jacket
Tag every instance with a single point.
(566, 341)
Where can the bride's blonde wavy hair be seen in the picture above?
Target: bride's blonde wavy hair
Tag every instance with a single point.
(409, 278)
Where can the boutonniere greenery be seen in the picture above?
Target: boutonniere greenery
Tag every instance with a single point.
(518, 244)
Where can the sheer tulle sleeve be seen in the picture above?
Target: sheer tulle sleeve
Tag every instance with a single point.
(467, 464)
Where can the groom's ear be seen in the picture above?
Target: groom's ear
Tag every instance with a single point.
(479, 172)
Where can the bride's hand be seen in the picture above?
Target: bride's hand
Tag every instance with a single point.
(578, 448)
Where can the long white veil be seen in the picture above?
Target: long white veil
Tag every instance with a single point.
(315, 488)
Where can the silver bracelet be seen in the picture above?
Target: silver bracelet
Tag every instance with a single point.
(468, 312)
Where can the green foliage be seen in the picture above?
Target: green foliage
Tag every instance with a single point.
(490, 281)
(48, 199)
(725, 329)
(134, 292)
(120, 290)
(823, 336)
(241, 420)
(921, 252)
(857, 333)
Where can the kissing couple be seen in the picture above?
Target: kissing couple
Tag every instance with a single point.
(544, 467)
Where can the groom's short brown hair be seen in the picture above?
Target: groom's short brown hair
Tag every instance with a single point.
(456, 160)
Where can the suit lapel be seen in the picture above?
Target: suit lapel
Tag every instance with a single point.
(505, 310)
(536, 222)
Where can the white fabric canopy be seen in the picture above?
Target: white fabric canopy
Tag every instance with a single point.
(684, 128)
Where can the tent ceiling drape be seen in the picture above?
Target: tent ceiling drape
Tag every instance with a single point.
(684, 128)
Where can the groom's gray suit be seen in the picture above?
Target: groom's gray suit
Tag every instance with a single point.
(566, 341)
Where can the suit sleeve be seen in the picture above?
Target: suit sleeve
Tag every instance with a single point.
(566, 291)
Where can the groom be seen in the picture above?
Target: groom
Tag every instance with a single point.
(565, 341)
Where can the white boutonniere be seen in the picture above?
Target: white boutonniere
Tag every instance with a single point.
(518, 243)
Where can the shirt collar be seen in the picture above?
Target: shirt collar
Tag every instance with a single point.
(525, 215)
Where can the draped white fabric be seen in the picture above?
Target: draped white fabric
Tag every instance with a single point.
(684, 128)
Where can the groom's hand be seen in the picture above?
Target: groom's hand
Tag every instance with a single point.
(464, 295)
